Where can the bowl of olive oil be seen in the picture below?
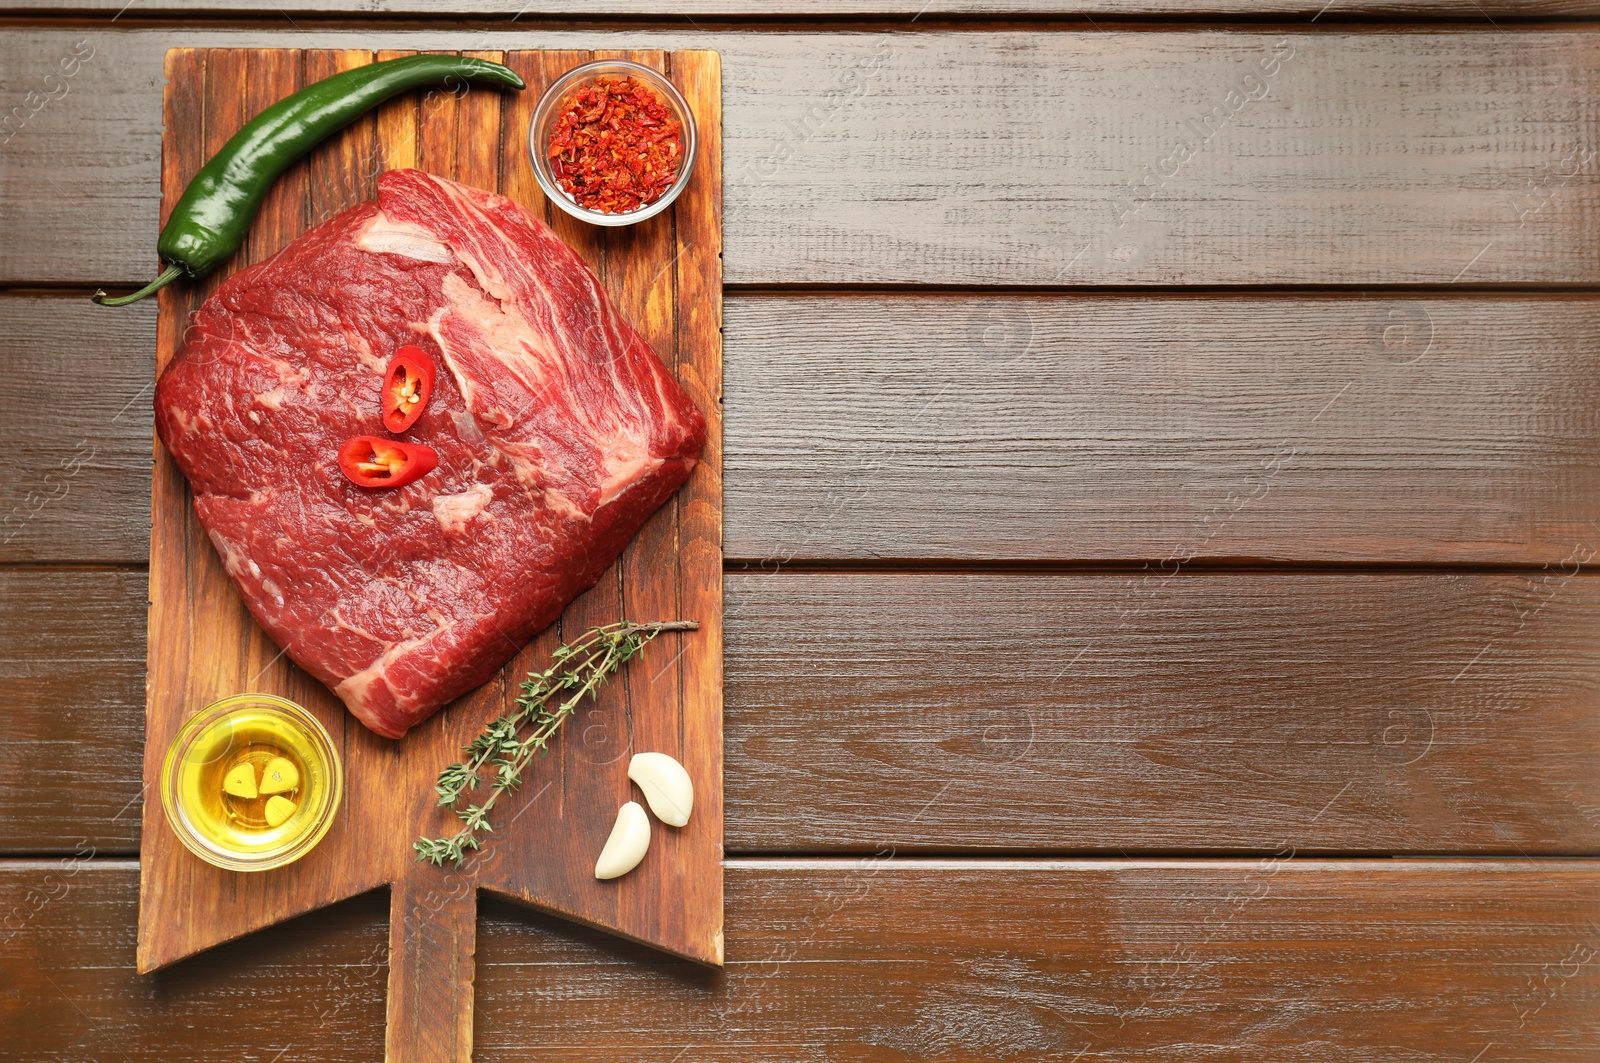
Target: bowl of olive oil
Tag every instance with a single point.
(251, 783)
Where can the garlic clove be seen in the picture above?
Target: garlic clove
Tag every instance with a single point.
(280, 775)
(278, 811)
(629, 841)
(240, 782)
(666, 786)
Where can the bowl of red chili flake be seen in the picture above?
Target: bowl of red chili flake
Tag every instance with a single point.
(612, 142)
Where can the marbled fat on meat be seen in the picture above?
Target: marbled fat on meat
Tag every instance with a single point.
(558, 430)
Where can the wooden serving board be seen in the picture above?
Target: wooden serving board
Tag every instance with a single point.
(665, 275)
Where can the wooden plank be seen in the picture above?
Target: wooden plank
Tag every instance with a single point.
(397, 123)
(432, 929)
(1017, 428)
(1373, 712)
(432, 939)
(638, 263)
(1359, 712)
(1326, 962)
(670, 568)
(75, 479)
(1012, 157)
(1292, 961)
(313, 988)
(516, 173)
(925, 11)
(1171, 429)
(273, 75)
(697, 273)
(346, 173)
(72, 673)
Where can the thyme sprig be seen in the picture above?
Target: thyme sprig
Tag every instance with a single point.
(508, 743)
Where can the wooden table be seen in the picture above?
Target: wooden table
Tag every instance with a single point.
(1162, 486)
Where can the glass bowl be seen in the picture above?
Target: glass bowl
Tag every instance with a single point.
(548, 110)
(228, 829)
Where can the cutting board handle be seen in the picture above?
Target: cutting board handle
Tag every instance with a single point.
(433, 923)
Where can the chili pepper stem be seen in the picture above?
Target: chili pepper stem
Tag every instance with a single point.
(168, 275)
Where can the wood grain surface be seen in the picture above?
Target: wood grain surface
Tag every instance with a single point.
(203, 644)
(75, 483)
(1149, 710)
(72, 652)
(1133, 712)
(1265, 960)
(312, 989)
(1045, 428)
(1277, 960)
(910, 671)
(1009, 157)
(1168, 428)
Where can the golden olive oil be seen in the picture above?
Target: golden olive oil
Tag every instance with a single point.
(250, 784)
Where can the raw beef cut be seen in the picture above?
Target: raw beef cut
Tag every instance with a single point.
(558, 432)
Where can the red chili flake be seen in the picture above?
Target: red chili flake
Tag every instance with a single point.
(616, 146)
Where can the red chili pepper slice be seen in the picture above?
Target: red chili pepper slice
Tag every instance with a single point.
(372, 461)
(407, 383)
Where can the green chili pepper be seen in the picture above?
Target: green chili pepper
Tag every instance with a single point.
(210, 221)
